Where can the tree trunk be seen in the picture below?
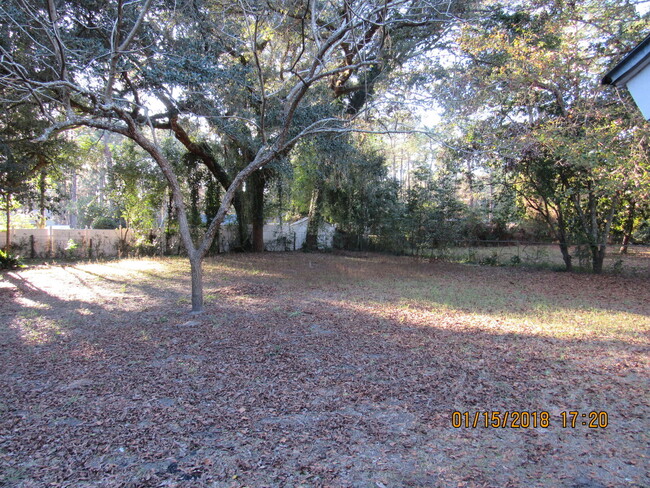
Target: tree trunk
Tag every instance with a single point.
(258, 235)
(256, 184)
(470, 183)
(597, 236)
(212, 203)
(628, 227)
(566, 256)
(194, 183)
(598, 252)
(313, 224)
(597, 258)
(242, 220)
(196, 266)
(106, 169)
(73, 199)
(491, 202)
(562, 237)
(8, 234)
(625, 243)
(42, 189)
(168, 228)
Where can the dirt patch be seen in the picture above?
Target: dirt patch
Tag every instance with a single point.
(321, 370)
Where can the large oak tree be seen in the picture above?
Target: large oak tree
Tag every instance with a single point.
(260, 75)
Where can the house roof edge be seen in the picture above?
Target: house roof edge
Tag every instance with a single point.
(630, 65)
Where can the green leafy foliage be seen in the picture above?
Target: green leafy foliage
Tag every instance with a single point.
(525, 93)
(9, 260)
(136, 187)
(348, 178)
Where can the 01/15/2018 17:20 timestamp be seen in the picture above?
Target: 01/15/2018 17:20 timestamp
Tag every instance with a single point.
(524, 419)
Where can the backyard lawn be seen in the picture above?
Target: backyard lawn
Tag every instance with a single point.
(322, 370)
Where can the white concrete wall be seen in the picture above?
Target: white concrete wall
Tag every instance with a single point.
(55, 243)
(64, 242)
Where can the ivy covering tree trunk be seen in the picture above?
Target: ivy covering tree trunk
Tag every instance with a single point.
(256, 186)
(315, 219)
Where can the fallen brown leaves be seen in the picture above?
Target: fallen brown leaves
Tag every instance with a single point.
(318, 370)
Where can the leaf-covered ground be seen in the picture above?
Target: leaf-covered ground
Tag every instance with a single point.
(319, 370)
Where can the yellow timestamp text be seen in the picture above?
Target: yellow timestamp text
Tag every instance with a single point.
(528, 419)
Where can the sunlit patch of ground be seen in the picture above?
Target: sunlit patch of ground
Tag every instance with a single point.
(319, 370)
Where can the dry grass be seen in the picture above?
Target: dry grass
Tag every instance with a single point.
(635, 262)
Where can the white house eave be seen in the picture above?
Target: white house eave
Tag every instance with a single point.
(630, 65)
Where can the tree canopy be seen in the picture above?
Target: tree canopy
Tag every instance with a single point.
(261, 75)
(525, 90)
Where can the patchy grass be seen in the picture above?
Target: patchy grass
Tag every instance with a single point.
(545, 256)
(320, 370)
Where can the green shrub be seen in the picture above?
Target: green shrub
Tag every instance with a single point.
(144, 247)
(472, 257)
(492, 260)
(9, 261)
(642, 234)
(105, 223)
(70, 248)
(617, 266)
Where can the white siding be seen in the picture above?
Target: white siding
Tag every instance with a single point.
(639, 87)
